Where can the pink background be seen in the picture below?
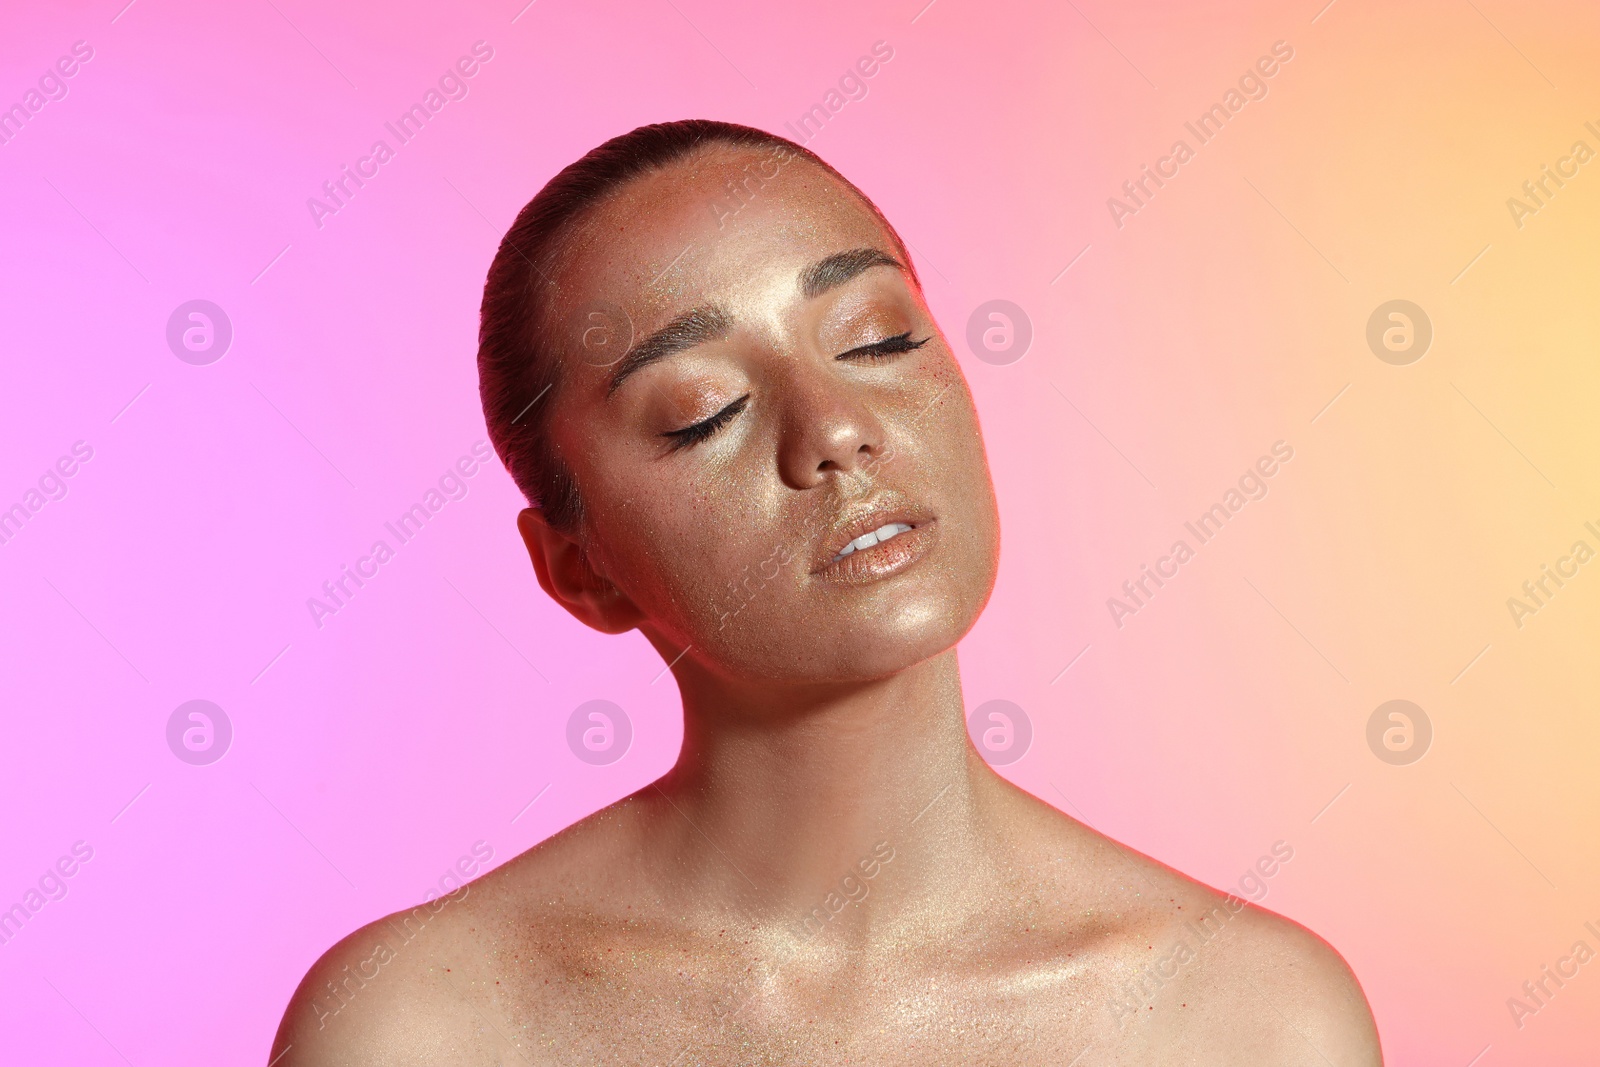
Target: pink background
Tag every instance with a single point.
(371, 753)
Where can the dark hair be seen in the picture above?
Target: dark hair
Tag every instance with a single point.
(518, 372)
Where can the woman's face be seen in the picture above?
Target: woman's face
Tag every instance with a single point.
(750, 385)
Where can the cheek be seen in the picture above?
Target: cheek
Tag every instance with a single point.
(691, 551)
(979, 513)
(957, 467)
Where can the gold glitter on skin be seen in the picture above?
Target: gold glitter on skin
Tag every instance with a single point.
(823, 718)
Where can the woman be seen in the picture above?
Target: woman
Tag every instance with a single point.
(706, 359)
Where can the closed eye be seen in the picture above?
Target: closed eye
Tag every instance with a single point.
(700, 431)
(884, 349)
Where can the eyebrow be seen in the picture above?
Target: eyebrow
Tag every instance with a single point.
(694, 327)
(840, 267)
(712, 323)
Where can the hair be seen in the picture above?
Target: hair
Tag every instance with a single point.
(519, 369)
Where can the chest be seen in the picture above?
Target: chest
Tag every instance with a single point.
(643, 1007)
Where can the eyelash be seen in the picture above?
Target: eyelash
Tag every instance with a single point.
(899, 344)
(690, 436)
(693, 435)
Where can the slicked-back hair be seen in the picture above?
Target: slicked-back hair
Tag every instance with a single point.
(519, 369)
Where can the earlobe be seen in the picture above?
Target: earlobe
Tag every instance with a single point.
(567, 574)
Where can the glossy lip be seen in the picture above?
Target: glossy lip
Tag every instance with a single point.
(881, 560)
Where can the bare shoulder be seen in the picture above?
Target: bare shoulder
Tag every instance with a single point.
(1208, 973)
(424, 985)
(1227, 980)
(1309, 1006)
(383, 995)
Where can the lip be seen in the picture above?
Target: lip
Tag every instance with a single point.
(883, 559)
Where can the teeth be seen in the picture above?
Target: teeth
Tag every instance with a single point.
(874, 537)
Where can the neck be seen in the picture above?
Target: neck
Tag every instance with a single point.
(787, 793)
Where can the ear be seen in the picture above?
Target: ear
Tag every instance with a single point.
(566, 573)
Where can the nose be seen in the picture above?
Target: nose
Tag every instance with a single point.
(830, 432)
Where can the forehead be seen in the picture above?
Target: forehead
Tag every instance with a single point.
(725, 225)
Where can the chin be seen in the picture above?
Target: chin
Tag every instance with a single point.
(885, 656)
(875, 638)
